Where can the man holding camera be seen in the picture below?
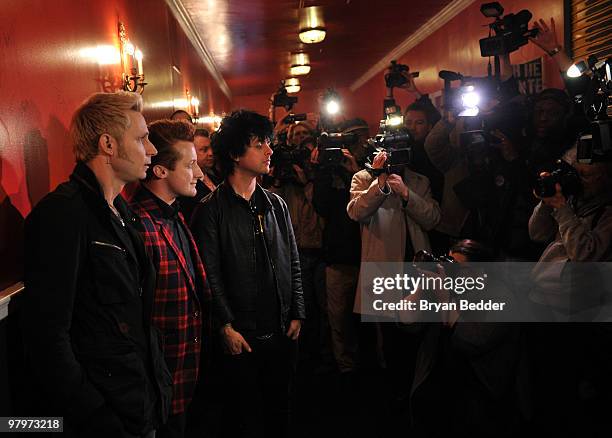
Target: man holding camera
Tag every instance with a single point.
(571, 360)
(395, 208)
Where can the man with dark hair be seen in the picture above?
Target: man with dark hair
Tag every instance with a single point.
(94, 355)
(245, 235)
(182, 115)
(181, 281)
(209, 180)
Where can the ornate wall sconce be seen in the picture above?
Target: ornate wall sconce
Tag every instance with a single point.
(131, 63)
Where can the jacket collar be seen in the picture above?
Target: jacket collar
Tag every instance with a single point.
(157, 208)
(86, 178)
(227, 188)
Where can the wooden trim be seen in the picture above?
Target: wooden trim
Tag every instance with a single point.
(5, 298)
(182, 16)
(432, 25)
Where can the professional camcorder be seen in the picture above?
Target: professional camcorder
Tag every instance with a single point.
(282, 99)
(511, 31)
(396, 141)
(330, 146)
(473, 93)
(293, 118)
(395, 76)
(283, 159)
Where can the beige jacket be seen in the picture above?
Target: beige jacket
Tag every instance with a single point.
(384, 220)
(440, 146)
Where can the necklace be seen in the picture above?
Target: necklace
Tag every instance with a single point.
(116, 213)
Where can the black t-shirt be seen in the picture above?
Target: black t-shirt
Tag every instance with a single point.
(268, 317)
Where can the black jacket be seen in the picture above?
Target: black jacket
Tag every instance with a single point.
(341, 235)
(87, 304)
(224, 237)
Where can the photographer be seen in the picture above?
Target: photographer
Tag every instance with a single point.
(395, 212)
(341, 249)
(571, 360)
(487, 195)
(477, 365)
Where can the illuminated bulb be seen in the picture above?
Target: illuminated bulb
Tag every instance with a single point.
(292, 85)
(129, 48)
(138, 55)
(332, 107)
(471, 99)
(195, 101)
(299, 70)
(103, 55)
(312, 36)
(573, 72)
(395, 121)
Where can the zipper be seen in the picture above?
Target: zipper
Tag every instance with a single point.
(108, 245)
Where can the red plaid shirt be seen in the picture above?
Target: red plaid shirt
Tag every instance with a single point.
(177, 310)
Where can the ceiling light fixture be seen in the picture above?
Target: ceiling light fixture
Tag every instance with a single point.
(312, 26)
(292, 85)
(300, 64)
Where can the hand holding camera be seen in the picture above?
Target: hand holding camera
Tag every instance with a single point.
(555, 201)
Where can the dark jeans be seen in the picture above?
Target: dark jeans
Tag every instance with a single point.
(259, 387)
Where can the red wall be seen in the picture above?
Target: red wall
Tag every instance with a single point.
(43, 79)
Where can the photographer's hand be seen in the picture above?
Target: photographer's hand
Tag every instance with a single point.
(300, 175)
(398, 187)
(410, 85)
(506, 147)
(378, 163)
(546, 39)
(281, 125)
(314, 156)
(557, 200)
(350, 163)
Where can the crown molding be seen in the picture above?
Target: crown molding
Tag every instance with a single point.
(184, 20)
(440, 19)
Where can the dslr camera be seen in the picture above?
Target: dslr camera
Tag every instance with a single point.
(565, 175)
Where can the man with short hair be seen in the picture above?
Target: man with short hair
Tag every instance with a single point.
(94, 355)
(208, 181)
(181, 281)
(245, 235)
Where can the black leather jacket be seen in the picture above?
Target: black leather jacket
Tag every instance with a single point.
(87, 310)
(224, 236)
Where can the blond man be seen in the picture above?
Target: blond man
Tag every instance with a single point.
(94, 356)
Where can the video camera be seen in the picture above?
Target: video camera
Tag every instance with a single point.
(282, 99)
(292, 118)
(466, 100)
(595, 89)
(396, 141)
(283, 159)
(395, 77)
(511, 31)
(330, 146)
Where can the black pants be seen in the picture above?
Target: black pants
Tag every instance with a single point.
(259, 386)
(174, 427)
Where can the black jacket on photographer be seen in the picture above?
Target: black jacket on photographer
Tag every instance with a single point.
(341, 235)
(221, 225)
(94, 355)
